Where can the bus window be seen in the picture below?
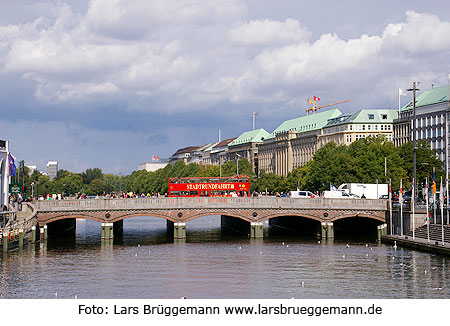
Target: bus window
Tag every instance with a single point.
(194, 180)
(214, 180)
(175, 193)
(233, 180)
(184, 193)
(184, 181)
(243, 180)
(204, 180)
(173, 180)
(193, 193)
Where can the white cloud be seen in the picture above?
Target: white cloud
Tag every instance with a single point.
(268, 33)
(194, 53)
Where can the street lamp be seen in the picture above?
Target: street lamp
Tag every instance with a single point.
(413, 197)
(237, 163)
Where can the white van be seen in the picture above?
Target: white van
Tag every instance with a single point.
(301, 194)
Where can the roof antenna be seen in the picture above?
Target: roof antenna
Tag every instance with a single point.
(432, 85)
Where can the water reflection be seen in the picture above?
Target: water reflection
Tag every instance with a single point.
(147, 263)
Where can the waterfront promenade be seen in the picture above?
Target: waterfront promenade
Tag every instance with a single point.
(423, 240)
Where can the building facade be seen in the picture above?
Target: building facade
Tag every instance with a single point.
(432, 106)
(246, 146)
(153, 166)
(293, 143)
(364, 123)
(52, 169)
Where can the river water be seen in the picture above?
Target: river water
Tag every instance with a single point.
(146, 264)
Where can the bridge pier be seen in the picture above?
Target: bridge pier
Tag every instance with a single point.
(327, 230)
(256, 230)
(107, 232)
(177, 229)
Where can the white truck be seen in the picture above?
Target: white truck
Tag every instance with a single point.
(367, 190)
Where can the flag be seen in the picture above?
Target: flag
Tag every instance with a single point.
(310, 102)
(12, 166)
(332, 188)
(441, 194)
(434, 184)
(255, 113)
(155, 158)
(316, 98)
(400, 197)
(401, 92)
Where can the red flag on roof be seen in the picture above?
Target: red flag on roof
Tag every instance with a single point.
(316, 98)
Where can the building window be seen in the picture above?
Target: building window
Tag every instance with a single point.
(384, 117)
(363, 127)
(371, 116)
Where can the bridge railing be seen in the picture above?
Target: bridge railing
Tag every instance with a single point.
(211, 202)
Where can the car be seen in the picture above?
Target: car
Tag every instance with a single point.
(301, 194)
(384, 197)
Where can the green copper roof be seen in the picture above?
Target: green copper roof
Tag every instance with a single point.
(308, 122)
(208, 147)
(365, 116)
(253, 136)
(431, 96)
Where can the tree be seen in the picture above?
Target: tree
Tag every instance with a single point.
(97, 187)
(91, 174)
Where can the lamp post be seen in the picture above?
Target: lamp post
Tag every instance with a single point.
(413, 193)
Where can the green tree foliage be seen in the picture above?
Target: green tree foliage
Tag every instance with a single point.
(97, 187)
(91, 174)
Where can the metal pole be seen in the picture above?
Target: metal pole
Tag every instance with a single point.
(253, 121)
(446, 147)
(434, 195)
(414, 154)
(428, 213)
(442, 211)
(390, 206)
(401, 208)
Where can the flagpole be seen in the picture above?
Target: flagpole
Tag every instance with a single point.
(446, 146)
(390, 205)
(253, 125)
(434, 195)
(442, 211)
(413, 208)
(401, 208)
(428, 213)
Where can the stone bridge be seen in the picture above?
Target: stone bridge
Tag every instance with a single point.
(250, 211)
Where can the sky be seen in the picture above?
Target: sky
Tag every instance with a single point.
(110, 83)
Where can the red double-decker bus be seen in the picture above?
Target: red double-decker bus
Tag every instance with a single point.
(210, 187)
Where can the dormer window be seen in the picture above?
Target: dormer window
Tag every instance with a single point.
(384, 116)
(371, 116)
